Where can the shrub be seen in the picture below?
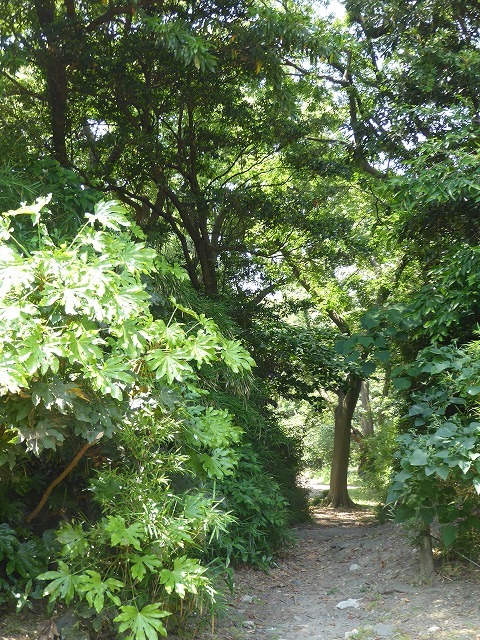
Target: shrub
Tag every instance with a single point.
(84, 366)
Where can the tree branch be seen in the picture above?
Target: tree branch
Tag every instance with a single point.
(63, 475)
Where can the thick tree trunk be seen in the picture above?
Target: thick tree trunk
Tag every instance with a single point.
(366, 420)
(347, 401)
(209, 268)
(53, 64)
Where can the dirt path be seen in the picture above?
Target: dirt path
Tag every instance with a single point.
(345, 557)
(340, 558)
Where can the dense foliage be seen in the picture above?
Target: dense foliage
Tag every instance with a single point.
(88, 369)
(296, 185)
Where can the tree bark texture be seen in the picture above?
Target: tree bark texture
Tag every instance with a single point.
(366, 420)
(427, 567)
(347, 401)
(51, 60)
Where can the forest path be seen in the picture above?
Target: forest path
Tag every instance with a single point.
(348, 557)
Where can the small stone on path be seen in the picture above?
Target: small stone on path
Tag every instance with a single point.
(354, 567)
(383, 630)
(248, 624)
(247, 599)
(350, 603)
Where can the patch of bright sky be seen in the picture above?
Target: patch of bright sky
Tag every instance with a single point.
(330, 8)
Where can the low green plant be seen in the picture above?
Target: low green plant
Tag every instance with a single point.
(83, 365)
(377, 460)
(260, 514)
(440, 460)
(21, 560)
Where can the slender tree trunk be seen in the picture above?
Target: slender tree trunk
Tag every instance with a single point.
(347, 401)
(427, 567)
(366, 420)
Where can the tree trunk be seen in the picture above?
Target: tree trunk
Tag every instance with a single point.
(347, 401)
(366, 420)
(52, 62)
(427, 567)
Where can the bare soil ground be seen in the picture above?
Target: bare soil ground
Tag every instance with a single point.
(342, 557)
(347, 557)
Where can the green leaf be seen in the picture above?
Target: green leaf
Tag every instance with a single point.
(368, 368)
(427, 514)
(125, 536)
(401, 383)
(404, 512)
(473, 391)
(365, 341)
(370, 320)
(182, 577)
(42, 436)
(72, 538)
(137, 258)
(140, 564)
(476, 484)
(203, 347)
(383, 356)
(145, 624)
(219, 463)
(442, 471)
(417, 409)
(111, 215)
(402, 476)
(63, 584)
(236, 356)
(172, 365)
(448, 534)
(418, 458)
(95, 589)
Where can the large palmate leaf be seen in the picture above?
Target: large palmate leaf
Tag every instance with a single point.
(143, 625)
(63, 584)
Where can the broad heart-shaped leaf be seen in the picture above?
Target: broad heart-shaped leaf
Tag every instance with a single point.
(365, 341)
(236, 356)
(63, 584)
(442, 471)
(370, 320)
(125, 536)
(473, 391)
(401, 383)
(476, 484)
(383, 356)
(145, 624)
(448, 533)
(418, 458)
(368, 367)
